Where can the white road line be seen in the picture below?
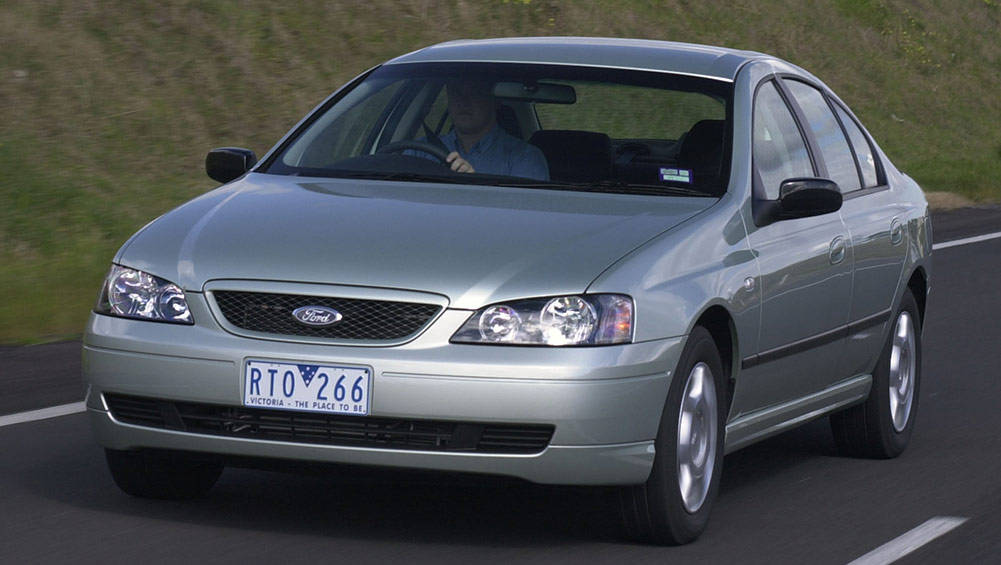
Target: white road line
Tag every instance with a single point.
(912, 540)
(967, 240)
(44, 413)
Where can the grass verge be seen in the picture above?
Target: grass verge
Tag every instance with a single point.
(109, 107)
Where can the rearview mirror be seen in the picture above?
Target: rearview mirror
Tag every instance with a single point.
(228, 163)
(799, 198)
(545, 92)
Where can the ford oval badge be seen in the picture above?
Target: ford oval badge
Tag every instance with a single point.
(317, 315)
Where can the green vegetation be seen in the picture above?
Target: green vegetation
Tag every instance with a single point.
(648, 113)
(107, 108)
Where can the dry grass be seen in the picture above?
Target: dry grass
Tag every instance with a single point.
(107, 108)
(941, 201)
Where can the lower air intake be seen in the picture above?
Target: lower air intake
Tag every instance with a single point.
(330, 429)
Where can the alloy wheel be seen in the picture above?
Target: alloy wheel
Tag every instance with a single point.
(697, 429)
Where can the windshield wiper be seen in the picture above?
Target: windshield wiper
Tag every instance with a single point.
(399, 175)
(625, 187)
(615, 186)
(609, 186)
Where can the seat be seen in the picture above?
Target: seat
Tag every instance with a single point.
(702, 151)
(575, 156)
(508, 121)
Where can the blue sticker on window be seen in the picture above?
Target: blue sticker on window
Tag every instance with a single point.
(676, 175)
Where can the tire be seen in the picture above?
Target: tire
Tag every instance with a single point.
(881, 427)
(657, 511)
(162, 474)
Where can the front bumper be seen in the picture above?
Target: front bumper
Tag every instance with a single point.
(605, 402)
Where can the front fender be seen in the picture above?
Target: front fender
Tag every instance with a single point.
(674, 278)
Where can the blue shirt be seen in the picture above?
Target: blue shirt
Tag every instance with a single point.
(499, 153)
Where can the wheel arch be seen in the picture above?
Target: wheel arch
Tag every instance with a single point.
(918, 285)
(719, 323)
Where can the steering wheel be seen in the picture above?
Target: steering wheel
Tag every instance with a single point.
(414, 145)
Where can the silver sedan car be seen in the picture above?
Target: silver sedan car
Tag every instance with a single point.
(573, 261)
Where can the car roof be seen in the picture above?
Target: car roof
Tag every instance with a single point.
(665, 56)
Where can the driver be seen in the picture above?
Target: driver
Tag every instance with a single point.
(477, 144)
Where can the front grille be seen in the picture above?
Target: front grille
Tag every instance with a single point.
(330, 429)
(376, 320)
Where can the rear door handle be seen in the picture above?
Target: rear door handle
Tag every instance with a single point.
(837, 252)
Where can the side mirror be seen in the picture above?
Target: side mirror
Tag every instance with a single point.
(802, 198)
(799, 198)
(227, 163)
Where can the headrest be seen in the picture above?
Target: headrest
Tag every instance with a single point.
(702, 148)
(508, 121)
(575, 156)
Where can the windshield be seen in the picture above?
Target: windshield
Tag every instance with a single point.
(552, 126)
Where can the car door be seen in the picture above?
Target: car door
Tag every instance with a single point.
(805, 271)
(873, 215)
(870, 215)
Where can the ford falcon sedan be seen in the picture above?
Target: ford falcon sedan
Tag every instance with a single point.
(568, 260)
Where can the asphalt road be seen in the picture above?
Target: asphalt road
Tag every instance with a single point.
(789, 499)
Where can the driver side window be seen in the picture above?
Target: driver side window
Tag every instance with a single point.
(779, 150)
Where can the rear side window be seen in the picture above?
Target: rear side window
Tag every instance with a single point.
(779, 150)
(863, 151)
(833, 145)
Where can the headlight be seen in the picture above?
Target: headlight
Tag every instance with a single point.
(591, 319)
(134, 294)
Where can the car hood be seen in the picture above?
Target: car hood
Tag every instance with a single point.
(474, 244)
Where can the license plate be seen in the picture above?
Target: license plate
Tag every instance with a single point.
(306, 387)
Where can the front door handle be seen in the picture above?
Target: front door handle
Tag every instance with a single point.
(837, 252)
